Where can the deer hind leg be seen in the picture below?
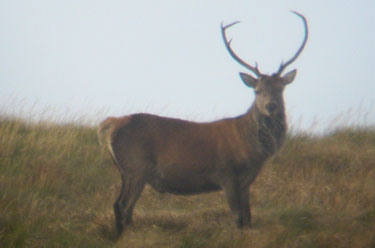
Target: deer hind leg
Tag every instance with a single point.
(135, 188)
(132, 187)
(117, 209)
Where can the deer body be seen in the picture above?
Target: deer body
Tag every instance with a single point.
(183, 157)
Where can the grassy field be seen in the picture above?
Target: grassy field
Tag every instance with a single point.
(57, 186)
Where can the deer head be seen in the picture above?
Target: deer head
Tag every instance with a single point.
(268, 88)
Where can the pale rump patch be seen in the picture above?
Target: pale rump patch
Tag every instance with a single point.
(106, 129)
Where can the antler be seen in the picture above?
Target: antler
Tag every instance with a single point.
(283, 66)
(238, 59)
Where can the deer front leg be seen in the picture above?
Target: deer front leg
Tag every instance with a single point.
(238, 200)
(245, 208)
(233, 196)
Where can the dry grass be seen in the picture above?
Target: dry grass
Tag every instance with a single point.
(57, 187)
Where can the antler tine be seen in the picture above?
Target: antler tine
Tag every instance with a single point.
(283, 66)
(238, 59)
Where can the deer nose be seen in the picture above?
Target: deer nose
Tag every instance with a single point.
(271, 107)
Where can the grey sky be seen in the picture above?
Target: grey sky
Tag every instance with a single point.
(167, 57)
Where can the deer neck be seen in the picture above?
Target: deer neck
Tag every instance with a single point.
(269, 131)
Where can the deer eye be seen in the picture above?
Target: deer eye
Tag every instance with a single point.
(257, 92)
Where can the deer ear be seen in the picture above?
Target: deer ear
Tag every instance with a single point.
(248, 80)
(289, 77)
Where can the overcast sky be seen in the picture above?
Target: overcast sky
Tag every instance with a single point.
(167, 57)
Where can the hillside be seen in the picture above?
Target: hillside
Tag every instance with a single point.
(57, 186)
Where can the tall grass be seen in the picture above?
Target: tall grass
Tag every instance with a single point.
(57, 186)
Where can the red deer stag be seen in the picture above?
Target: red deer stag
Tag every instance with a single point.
(183, 157)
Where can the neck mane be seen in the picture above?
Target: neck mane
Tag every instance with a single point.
(269, 131)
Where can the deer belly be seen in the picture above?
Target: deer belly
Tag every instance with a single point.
(176, 180)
